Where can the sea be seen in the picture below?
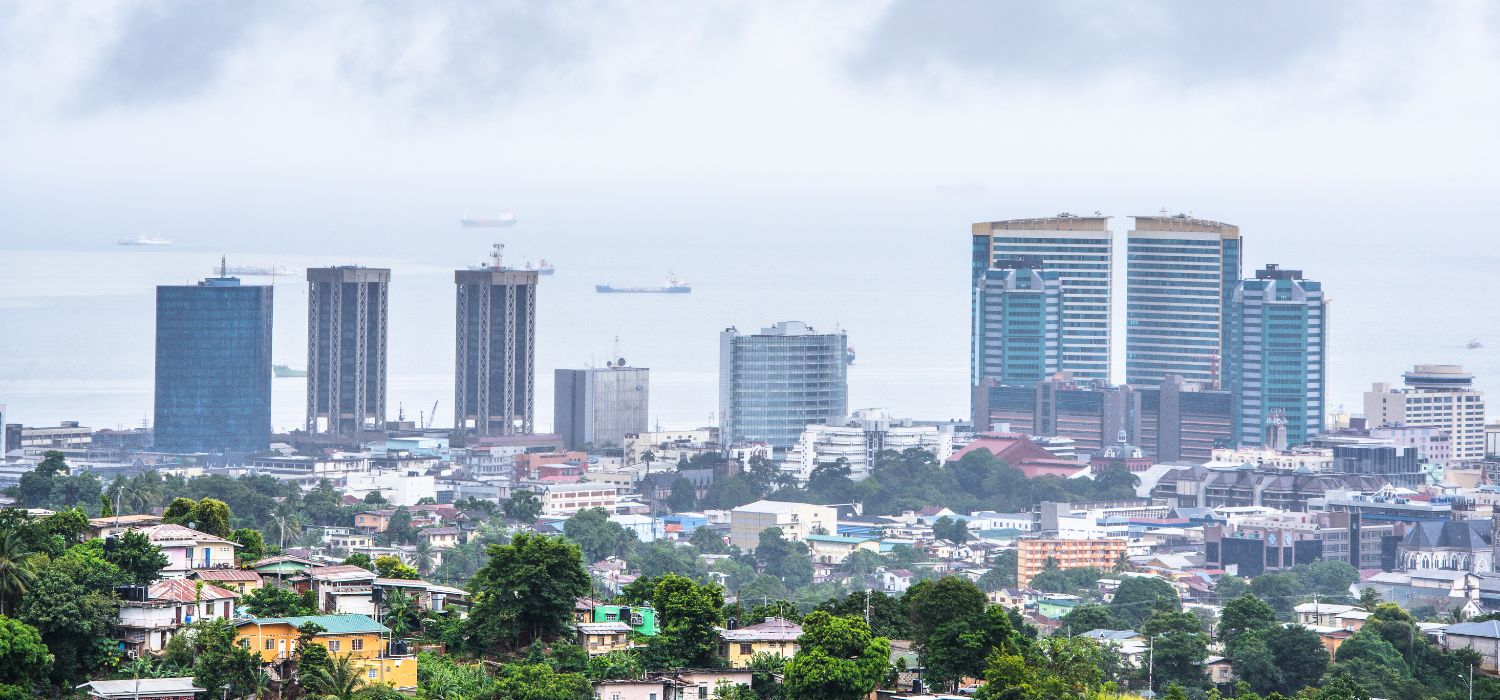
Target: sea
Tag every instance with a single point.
(76, 322)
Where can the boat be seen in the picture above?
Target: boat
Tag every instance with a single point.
(151, 241)
(1475, 344)
(287, 371)
(849, 356)
(542, 268)
(672, 286)
(506, 218)
(253, 270)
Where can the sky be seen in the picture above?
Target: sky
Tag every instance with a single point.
(1351, 139)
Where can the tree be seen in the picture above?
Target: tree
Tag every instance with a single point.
(598, 536)
(423, 556)
(35, 489)
(24, 659)
(708, 540)
(1139, 596)
(522, 506)
(361, 560)
(180, 512)
(838, 658)
(402, 615)
(1002, 575)
(398, 528)
(690, 615)
(1180, 647)
(1255, 664)
(1230, 587)
(615, 665)
(212, 516)
(662, 557)
(1280, 590)
(1244, 615)
(375, 498)
(274, 601)
(387, 566)
(1090, 617)
(1327, 578)
(339, 680)
(18, 564)
(72, 606)
(1299, 654)
(106, 509)
(887, 614)
(526, 592)
(955, 631)
(139, 561)
(222, 667)
(684, 497)
(538, 681)
(312, 658)
(951, 529)
(252, 545)
(784, 559)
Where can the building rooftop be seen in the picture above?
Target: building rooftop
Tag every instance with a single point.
(181, 590)
(774, 629)
(142, 687)
(331, 624)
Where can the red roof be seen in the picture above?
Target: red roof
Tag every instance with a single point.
(226, 575)
(1020, 452)
(181, 590)
(1047, 466)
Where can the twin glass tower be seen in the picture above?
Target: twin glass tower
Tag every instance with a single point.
(1043, 305)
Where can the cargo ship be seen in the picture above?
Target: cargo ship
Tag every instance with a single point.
(253, 270)
(542, 268)
(506, 218)
(288, 371)
(145, 241)
(672, 286)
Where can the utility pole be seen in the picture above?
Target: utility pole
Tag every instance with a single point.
(1151, 664)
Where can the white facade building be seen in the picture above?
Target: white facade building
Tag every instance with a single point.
(858, 439)
(1438, 396)
(796, 520)
(645, 527)
(400, 488)
(567, 499)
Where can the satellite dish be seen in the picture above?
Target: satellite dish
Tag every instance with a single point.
(620, 362)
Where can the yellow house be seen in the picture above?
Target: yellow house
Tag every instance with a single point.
(775, 636)
(363, 640)
(603, 637)
(240, 581)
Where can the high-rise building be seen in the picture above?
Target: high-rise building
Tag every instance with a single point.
(213, 367)
(600, 406)
(496, 350)
(1080, 250)
(1441, 396)
(346, 342)
(1276, 358)
(775, 383)
(1017, 322)
(1179, 276)
(859, 439)
(4, 442)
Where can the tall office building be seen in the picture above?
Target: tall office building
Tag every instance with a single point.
(346, 341)
(774, 384)
(1277, 358)
(1080, 250)
(1017, 317)
(496, 350)
(1438, 396)
(213, 367)
(4, 443)
(1180, 274)
(600, 406)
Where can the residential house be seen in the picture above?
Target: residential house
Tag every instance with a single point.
(179, 688)
(599, 638)
(1219, 670)
(776, 636)
(1482, 637)
(645, 527)
(1320, 614)
(834, 549)
(682, 684)
(151, 616)
(796, 520)
(380, 661)
(282, 566)
(373, 521)
(440, 538)
(241, 581)
(1054, 607)
(896, 580)
(347, 541)
(114, 526)
(341, 588)
(189, 549)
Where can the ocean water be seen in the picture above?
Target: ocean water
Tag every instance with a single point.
(76, 324)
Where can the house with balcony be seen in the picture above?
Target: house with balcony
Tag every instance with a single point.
(598, 638)
(188, 549)
(682, 684)
(151, 616)
(775, 636)
(379, 659)
(241, 581)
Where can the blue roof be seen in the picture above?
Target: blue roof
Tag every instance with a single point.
(836, 538)
(334, 624)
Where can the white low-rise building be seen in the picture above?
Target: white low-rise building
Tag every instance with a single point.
(567, 499)
(796, 520)
(149, 621)
(645, 527)
(859, 438)
(398, 487)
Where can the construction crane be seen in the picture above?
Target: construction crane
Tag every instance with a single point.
(431, 417)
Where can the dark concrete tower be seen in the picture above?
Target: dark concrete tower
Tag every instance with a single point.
(346, 342)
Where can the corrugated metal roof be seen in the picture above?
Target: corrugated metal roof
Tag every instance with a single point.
(142, 687)
(334, 624)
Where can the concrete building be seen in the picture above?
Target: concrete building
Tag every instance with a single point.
(774, 384)
(1397, 464)
(1080, 250)
(796, 520)
(496, 350)
(670, 445)
(68, 437)
(1032, 555)
(1438, 396)
(1277, 358)
(213, 367)
(567, 499)
(1179, 278)
(347, 320)
(1017, 322)
(600, 406)
(858, 439)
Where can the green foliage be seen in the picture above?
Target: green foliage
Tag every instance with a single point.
(1002, 575)
(252, 545)
(951, 529)
(887, 614)
(731, 492)
(954, 629)
(24, 659)
(388, 566)
(1230, 587)
(838, 658)
(526, 592)
(708, 541)
(598, 536)
(1299, 655)
(398, 528)
(913, 479)
(683, 498)
(786, 560)
(221, 666)
(662, 557)
(538, 682)
(212, 516)
(522, 506)
(51, 485)
(1139, 596)
(1090, 617)
(1244, 615)
(1180, 647)
(690, 615)
(1280, 590)
(72, 605)
(18, 564)
(361, 560)
(1326, 578)
(274, 601)
(139, 561)
(615, 665)
(442, 677)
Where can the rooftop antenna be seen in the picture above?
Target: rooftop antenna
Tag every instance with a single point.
(223, 266)
(497, 256)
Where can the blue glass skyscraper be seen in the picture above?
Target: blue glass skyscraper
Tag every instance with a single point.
(1277, 358)
(773, 384)
(1080, 250)
(1017, 323)
(213, 367)
(1179, 275)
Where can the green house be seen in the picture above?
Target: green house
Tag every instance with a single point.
(642, 619)
(1056, 607)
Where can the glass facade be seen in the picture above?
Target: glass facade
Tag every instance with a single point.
(1016, 324)
(1080, 250)
(774, 384)
(213, 367)
(1277, 358)
(1180, 273)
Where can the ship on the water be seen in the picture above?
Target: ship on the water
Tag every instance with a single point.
(672, 286)
(150, 241)
(506, 218)
(542, 268)
(1474, 344)
(288, 371)
(253, 270)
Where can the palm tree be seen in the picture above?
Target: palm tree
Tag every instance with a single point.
(17, 569)
(422, 558)
(341, 680)
(401, 613)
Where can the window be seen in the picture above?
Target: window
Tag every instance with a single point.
(270, 644)
(372, 673)
(333, 645)
(746, 650)
(357, 645)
